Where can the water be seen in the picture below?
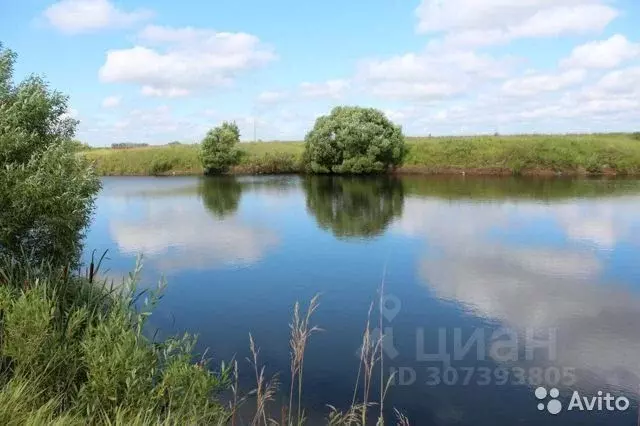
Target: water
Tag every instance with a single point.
(552, 260)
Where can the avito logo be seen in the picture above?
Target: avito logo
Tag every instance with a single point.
(601, 402)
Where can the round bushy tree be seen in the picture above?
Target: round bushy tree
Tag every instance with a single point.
(354, 140)
(47, 190)
(219, 150)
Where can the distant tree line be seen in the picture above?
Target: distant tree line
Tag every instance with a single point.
(127, 145)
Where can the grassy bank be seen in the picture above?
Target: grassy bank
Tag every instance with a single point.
(493, 155)
(272, 157)
(72, 352)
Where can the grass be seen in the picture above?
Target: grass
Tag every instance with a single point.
(73, 352)
(519, 154)
(522, 154)
(272, 157)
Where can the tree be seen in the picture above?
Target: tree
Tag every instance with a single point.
(350, 206)
(218, 150)
(48, 191)
(354, 140)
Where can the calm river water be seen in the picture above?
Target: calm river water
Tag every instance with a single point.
(493, 286)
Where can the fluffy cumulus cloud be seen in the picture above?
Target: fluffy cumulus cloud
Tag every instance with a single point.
(603, 54)
(470, 77)
(484, 66)
(537, 83)
(82, 16)
(505, 20)
(175, 62)
(433, 74)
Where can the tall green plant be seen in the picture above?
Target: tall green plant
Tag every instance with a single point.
(47, 191)
(219, 149)
(354, 140)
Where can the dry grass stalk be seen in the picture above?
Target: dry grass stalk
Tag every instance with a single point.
(265, 390)
(301, 331)
(402, 420)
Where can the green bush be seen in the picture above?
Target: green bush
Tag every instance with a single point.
(272, 163)
(47, 192)
(159, 166)
(219, 148)
(77, 355)
(636, 136)
(354, 140)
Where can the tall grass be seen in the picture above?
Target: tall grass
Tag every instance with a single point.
(73, 351)
(519, 154)
(574, 154)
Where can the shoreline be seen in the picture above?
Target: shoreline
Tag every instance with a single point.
(411, 171)
(519, 155)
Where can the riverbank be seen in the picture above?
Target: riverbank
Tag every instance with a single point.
(596, 154)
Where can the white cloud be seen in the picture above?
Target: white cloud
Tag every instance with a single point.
(328, 89)
(172, 92)
(608, 53)
(111, 101)
(619, 82)
(557, 21)
(271, 97)
(502, 20)
(433, 74)
(82, 16)
(188, 59)
(537, 83)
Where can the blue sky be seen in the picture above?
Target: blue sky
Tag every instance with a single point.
(160, 71)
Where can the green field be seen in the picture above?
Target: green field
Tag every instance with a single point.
(521, 154)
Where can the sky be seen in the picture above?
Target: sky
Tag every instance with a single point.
(159, 71)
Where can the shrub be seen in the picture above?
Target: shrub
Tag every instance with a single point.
(159, 166)
(354, 140)
(47, 192)
(273, 163)
(636, 136)
(77, 354)
(218, 150)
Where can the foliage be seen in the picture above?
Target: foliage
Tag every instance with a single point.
(353, 207)
(80, 146)
(128, 145)
(272, 163)
(354, 140)
(160, 166)
(74, 353)
(220, 195)
(219, 148)
(47, 192)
